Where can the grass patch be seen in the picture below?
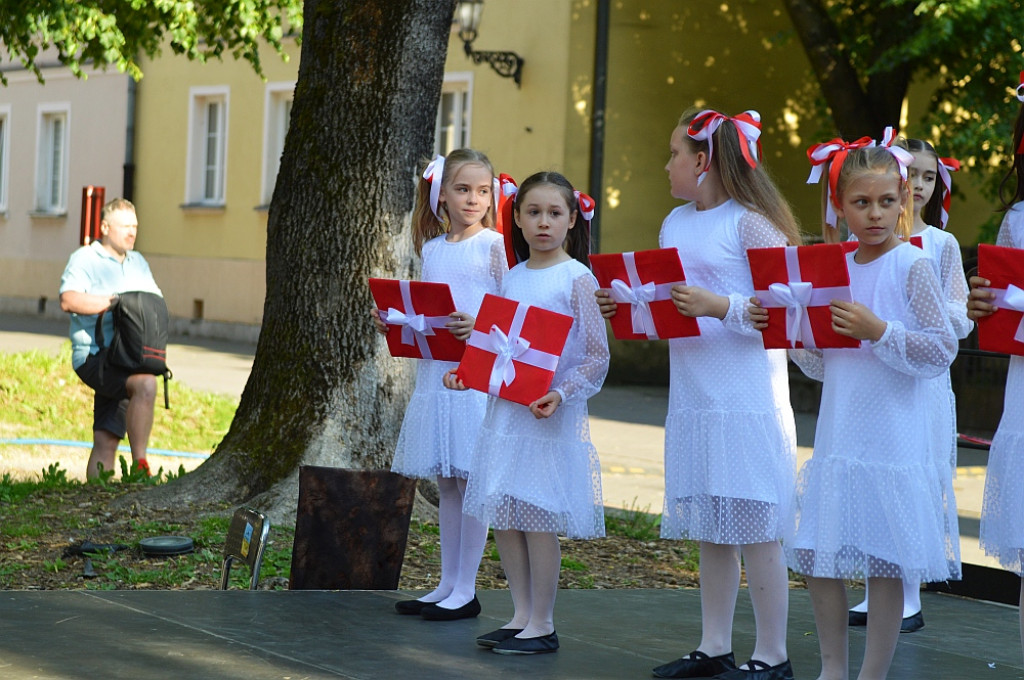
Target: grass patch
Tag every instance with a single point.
(632, 522)
(42, 397)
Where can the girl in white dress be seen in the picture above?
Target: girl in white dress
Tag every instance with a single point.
(1002, 512)
(924, 175)
(869, 502)
(730, 442)
(535, 473)
(451, 230)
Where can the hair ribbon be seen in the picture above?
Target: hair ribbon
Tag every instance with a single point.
(946, 165)
(832, 153)
(587, 205)
(434, 173)
(904, 158)
(748, 129)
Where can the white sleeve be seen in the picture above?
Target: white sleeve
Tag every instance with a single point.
(810, 361)
(954, 285)
(498, 263)
(755, 231)
(584, 380)
(923, 345)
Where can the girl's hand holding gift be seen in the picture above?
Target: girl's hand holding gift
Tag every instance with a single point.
(696, 301)
(604, 300)
(461, 325)
(546, 405)
(854, 320)
(979, 301)
(382, 327)
(758, 314)
(452, 381)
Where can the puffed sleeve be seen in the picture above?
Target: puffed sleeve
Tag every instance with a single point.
(584, 379)
(924, 346)
(954, 285)
(755, 231)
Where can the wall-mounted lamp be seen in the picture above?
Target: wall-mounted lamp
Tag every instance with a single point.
(505, 64)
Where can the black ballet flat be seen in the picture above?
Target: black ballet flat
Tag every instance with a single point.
(696, 665)
(544, 644)
(759, 670)
(913, 623)
(496, 636)
(432, 612)
(408, 607)
(858, 618)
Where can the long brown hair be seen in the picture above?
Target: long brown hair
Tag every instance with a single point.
(750, 187)
(1017, 167)
(931, 212)
(425, 224)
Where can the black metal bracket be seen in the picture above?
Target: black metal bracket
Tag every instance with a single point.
(505, 64)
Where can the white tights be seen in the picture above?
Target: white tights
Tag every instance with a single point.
(462, 546)
(768, 584)
(532, 561)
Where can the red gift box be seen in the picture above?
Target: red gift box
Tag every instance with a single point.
(641, 283)
(513, 350)
(796, 284)
(849, 246)
(416, 313)
(1003, 330)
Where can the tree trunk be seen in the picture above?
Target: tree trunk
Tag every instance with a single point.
(323, 390)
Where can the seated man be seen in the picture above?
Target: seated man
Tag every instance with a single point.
(94, 276)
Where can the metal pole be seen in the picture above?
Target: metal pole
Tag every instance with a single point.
(597, 120)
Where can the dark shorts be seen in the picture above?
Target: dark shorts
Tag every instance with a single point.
(111, 400)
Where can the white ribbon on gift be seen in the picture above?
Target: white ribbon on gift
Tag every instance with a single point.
(640, 296)
(1011, 297)
(508, 348)
(415, 327)
(796, 296)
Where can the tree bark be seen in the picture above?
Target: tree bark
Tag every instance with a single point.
(323, 390)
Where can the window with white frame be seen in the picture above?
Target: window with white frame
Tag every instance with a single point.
(5, 145)
(451, 130)
(206, 174)
(52, 160)
(277, 116)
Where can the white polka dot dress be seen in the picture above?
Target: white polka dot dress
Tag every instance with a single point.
(441, 425)
(730, 442)
(870, 500)
(943, 252)
(544, 475)
(1002, 513)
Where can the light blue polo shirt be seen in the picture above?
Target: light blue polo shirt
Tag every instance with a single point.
(91, 269)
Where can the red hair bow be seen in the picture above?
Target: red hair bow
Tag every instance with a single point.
(946, 166)
(587, 205)
(748, 129)
(506, 220)
(834, 153)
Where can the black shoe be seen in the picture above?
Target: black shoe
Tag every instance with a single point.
(535, 645)
(410, 606)
(912, 623)
(432, 612)
(759, 670)
(495, 636)
(858, 618)
(696, 665)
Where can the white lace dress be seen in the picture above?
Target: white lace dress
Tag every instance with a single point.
(730, 439)
(870, 500)
(544, 475)
(441, 425)
(1002, 513)
(943, 252)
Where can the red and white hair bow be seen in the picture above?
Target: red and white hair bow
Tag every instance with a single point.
(434, 173)
(903, 157)
(748, 128)
(946, 166)
(587, 206)
(1020, 98)
(506, 217)
(832, 153)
